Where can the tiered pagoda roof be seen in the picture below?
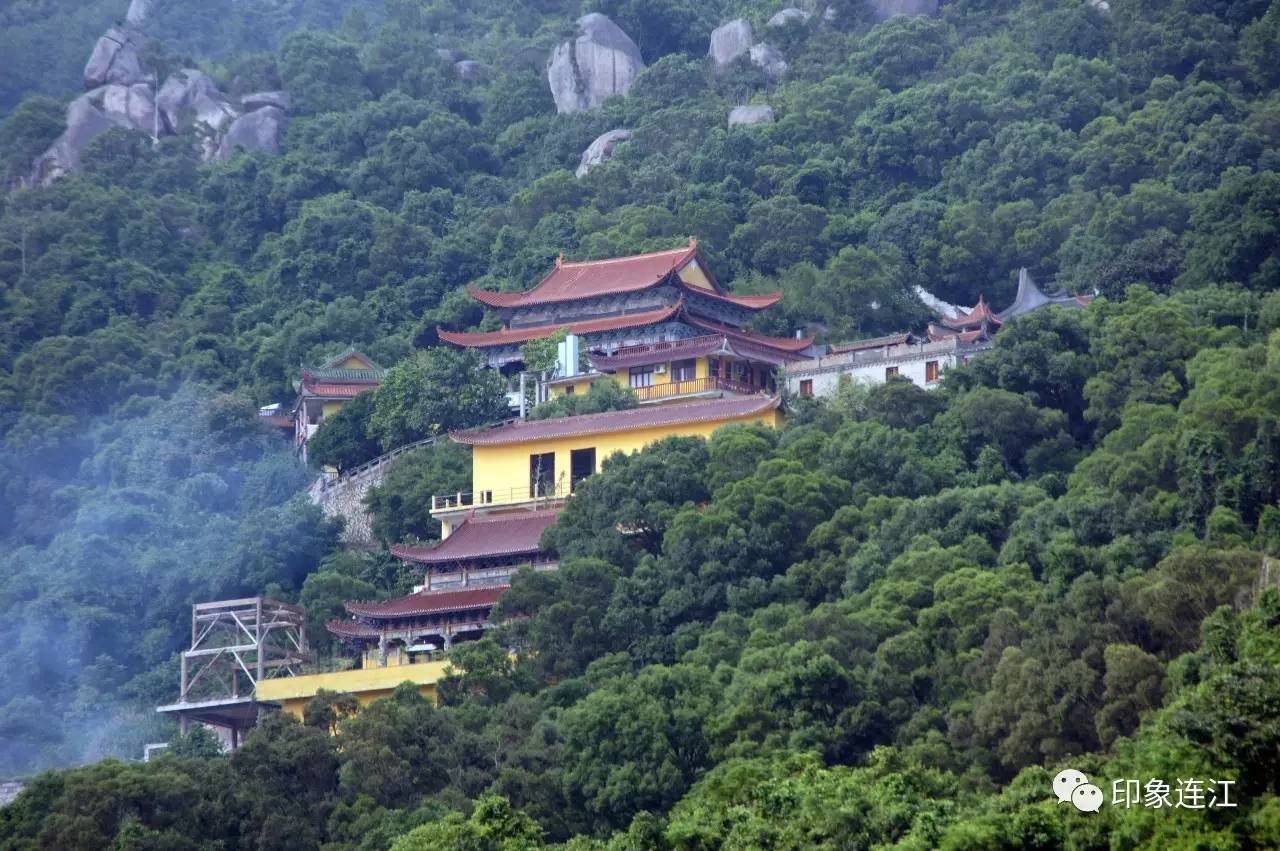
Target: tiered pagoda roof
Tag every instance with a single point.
(573, 281)
(980, 321)
(331, 381)
(677, 414)
(507, 336)
(427, 603)
(699, 301)
(476, 538)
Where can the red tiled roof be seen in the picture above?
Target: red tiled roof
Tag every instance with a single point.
(589, 278)
(751, 302)
(785, 344)
(937, 334)
(506, 336)
(428, 602)
(481, 537)
(656, 352)
(351, 629)
(687, 413)
(980, 315)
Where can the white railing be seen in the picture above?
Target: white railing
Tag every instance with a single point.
(507, 496)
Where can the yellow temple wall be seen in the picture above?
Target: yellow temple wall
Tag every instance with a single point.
(504, 470)
(621, 377)
(367, 684)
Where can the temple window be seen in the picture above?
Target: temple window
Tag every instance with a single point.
(806, 387)
(890, 372)
(931, 370)
(542, 474)
(582, 463)
(640, 376)
(684, 370)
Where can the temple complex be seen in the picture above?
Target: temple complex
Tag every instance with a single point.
(323, 391)
(658, 323)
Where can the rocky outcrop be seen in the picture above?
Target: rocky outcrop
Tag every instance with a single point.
(85, 122)
(728, 42)
(883, 10)
(753, 114)
(260, 130)
(138, 11)
(257, 100)
(88, 117)
(769, 59)
(787, 16)
(469, 70)
(731, 40)
(601, 150)
(602, 61)
(116, 59)
(131, 107)
(122, 94)
(189, 98)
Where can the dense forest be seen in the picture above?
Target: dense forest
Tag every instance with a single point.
(891, 623)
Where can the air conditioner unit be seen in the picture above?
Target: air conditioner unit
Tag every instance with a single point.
(660, 369)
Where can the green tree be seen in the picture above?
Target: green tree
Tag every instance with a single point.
(342, 440)
(434, 392)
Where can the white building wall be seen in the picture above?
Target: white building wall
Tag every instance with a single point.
(871, 366)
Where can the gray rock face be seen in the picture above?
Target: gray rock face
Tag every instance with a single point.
(115, 59)
(1101, 5)
(85, 122)
(468, 70)
(729, 41)
(883, 10)
(188, 98)
(786, 16)
(768, 59)
(257, 100)
(259, 130)
(601, 62)
(747, 115)
(444, 54)
(601, 150)
(138, 11)
(131, 107)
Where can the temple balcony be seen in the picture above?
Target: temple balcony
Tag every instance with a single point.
(522, 496)
(691, 388)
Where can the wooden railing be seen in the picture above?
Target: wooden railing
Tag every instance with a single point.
(692, 386)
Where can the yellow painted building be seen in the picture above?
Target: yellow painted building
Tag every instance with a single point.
(534, 460)
(367, 684)
(323, 391)
(687, 377)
